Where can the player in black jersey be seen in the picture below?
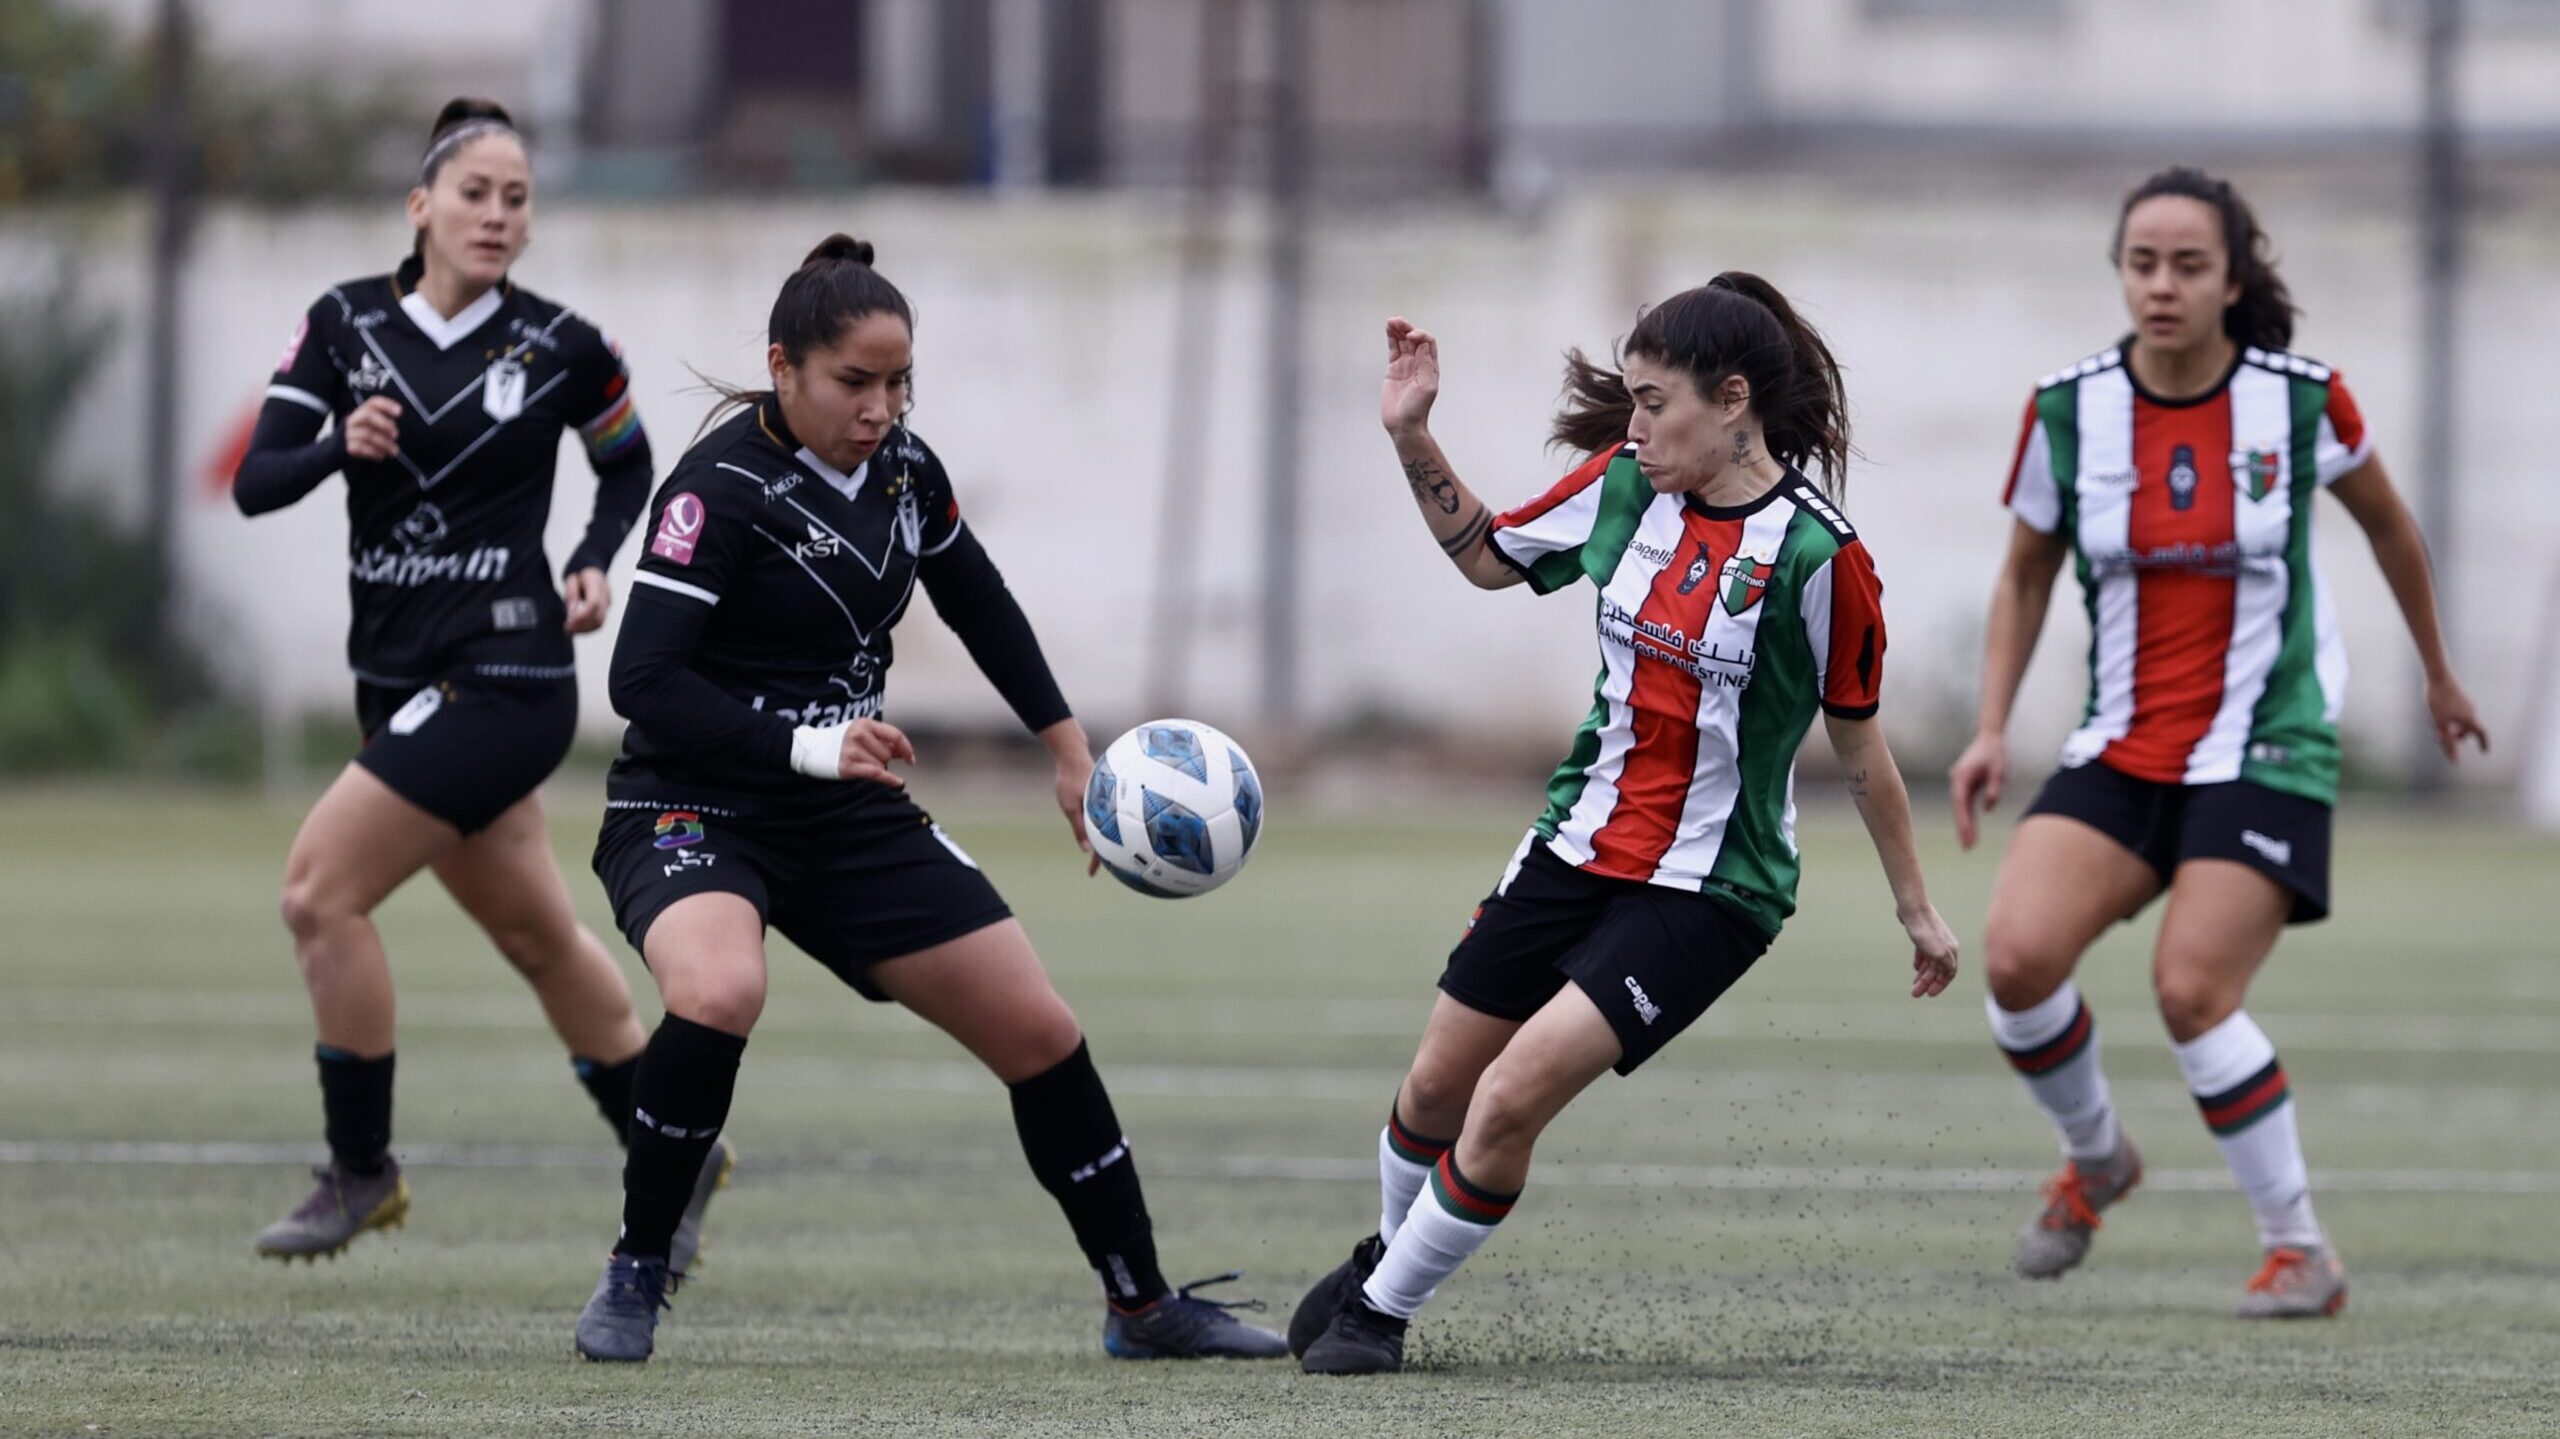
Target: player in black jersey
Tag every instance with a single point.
(754, 789)
(449, 387)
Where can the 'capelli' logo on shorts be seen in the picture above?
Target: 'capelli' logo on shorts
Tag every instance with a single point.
(2278, 851)
(1646, 1009)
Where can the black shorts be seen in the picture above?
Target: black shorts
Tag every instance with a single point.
(2282, 836)
(466, 750)
(1652, 958)
(854, 883)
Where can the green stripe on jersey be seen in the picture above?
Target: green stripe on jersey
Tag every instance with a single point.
(1564, 787)
(2292, 745)
(2058, 410)
(1625, 495)
(1756, 866)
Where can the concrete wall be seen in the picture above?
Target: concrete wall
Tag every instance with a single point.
(1044, 376)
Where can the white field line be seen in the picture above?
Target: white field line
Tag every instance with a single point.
(1870, 1178)
(1863, 1021)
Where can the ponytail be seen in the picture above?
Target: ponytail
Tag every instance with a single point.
(834, 288)
(2264, 313)
(1735, 324)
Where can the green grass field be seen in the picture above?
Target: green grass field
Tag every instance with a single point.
(1794, 1222)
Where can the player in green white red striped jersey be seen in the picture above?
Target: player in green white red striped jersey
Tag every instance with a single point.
(1734, 602)
(2178, 471)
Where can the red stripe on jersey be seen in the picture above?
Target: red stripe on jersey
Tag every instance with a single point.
(1855, 676)
(1662, 702)
(2018, 456)
(1583, 477)
(2344, 417)
(2183, 611)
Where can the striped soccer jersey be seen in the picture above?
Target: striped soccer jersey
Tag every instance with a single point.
(2214, 653)
(1721, 629)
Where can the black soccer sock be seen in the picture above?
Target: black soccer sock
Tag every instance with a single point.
(355, 1108)
(610, 1086)
(1079, 1155)
(679, 1100)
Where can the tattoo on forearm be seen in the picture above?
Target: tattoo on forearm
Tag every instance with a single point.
(1469, 535)
(1432, 485)
(1857, 779)
(1742, 447)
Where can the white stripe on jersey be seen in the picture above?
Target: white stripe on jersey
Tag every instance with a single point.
(2261, 419)
(304, 398)
(1715, 784)
(2033, 495)
(2105, 424)
(1660, 527)
(643, 577)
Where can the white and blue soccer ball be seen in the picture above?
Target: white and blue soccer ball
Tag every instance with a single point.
(1173, 808)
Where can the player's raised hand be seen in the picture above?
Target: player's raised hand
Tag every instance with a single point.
(588, 598)
(2455, 718)
(1977, 778)
(1413, 377)
(373, 431)
(1933, 952)
(869, 746)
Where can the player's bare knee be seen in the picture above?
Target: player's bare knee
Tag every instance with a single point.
(1435, 1097)
(2021, 969)
(1502, 1116)
(730, 1003)
(311, 908)
(2191, 1002)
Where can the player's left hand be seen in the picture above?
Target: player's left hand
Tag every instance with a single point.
(2455, 719)
(1074, 768)
(1933, 952)
(589, 599)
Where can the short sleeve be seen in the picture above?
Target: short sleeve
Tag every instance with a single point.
(1843, 609)
(696, 541)
(1544, 538)
(2343, 444)
(307, 373)
(2033, 494)
(599, 396)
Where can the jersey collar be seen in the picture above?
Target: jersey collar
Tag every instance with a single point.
(444, 334)
(1749, 507)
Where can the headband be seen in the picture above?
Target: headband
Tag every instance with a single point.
(454, 139)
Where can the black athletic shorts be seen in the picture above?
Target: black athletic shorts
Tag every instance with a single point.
(853, 882)
(465, 750)
(1652, 958)
(2282, 836)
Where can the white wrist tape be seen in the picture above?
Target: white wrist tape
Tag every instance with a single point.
(817, 749)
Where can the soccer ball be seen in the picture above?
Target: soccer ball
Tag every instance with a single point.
(1173, 808)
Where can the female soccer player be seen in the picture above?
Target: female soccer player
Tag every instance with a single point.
(1734, 601)
(449, 387)
(754, 787)
(2177, 468)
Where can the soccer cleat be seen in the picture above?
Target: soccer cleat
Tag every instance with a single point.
(1361, 1340)
(1180, 1326)
(620, 1322)
(2058, 1239)
(341, 1207)
(2304, 1283)
(1316, 1311)
(686, 1251)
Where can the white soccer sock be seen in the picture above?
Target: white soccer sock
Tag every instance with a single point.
(2240, 1085)
(2054, 1048)
(1404, 1166)
(1435, 1238)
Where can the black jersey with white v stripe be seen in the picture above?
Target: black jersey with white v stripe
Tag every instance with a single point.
(446, 570)
(768, 587)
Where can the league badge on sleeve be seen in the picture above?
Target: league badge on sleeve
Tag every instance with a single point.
(678, 529)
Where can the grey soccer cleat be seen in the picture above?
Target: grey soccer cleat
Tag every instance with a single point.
(686, 1250)
(2303, 1283)
(1183, 1326)
(2058, 1239)
(338, 1209)
(620, 1322)
(1315, 1312)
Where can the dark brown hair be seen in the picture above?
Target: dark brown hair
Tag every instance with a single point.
(462, 119)
(834, 288)
(1735, 324)
(2263, 315)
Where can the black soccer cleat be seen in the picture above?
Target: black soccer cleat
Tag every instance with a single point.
(1360, 1341)
(1181, 1326)
(1316, 1311)
(620, 1323)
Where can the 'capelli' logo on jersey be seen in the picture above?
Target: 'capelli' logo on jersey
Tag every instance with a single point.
(2182, 478)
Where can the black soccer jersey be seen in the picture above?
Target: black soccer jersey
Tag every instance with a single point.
(446, 571)
(765, 599)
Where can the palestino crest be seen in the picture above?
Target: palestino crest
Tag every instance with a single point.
(1744, 579)
(2257, 471)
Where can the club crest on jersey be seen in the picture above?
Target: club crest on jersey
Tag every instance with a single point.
(910, 523)
(1744, 579)
(1697, 569)
(2257, 470)
(502, 390)
(678, 529)
(2182, 478)
(678, 828)
(424, 529)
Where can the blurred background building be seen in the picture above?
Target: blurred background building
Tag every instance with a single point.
(1152, 242)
